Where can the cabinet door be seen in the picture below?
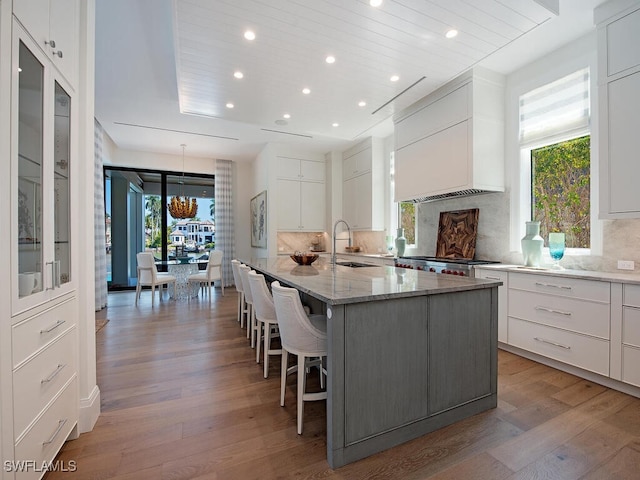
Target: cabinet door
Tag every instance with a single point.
(434, 165)
(61, 185)
(311, 171)
(349, 200)
(288, 204)
(34, 16)
(288, 168)
(312, 206)
(64, 22)
(363, 201)
(28, 237)
(502, 299)
(623, 37)
(624, 144)
(357, 164)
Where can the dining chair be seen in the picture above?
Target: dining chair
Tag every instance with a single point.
(213, 272)
(248, 299)
(301, 335)
(266, 321)
(148, 275)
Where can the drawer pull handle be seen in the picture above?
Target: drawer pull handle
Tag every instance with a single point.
(53, 375)
(492, 278)
(51, 329)
(551, 310)
(61, 423)
(552, 285)
(537, 339)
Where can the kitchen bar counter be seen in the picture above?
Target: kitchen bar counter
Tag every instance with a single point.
(336, 284)
(409, 352)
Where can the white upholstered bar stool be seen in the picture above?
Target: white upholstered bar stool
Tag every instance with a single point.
(242, 306)
(148, 275)
(248, 298)
(301, 335)
(266, 320)
(211, 274)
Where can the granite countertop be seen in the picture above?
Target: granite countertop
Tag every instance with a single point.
(583, 274)
(336, 284)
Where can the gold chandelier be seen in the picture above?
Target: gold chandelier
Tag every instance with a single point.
(181, 206)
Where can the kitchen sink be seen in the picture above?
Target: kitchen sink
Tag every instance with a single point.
(355, 264)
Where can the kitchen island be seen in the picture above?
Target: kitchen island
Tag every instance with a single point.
(409, 351)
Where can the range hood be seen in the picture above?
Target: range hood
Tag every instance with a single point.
(451, 143)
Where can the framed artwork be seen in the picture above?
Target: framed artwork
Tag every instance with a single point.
(258, 208)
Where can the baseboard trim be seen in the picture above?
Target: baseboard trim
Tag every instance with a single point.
(89, 411)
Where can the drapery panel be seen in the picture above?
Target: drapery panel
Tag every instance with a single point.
(225, 239)
(99, 223)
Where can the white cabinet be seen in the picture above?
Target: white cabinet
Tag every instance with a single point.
(451, 141)
(565, 319)
(619, 94)
(42, 357)
(503, 277)
(363, 185)
(44, 114)
(300, 195)
(631, 334)
(54, 25)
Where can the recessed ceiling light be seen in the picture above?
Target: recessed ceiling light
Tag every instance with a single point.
(394, 78)
(238, 74)
(286, 115)
(451, 33)
(336, 124)
(249, 35)
(230, 105)
(306, 91)
(375, 3)
(362, 103)
(330, 59)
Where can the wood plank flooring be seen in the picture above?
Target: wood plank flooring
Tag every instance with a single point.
(183, 398)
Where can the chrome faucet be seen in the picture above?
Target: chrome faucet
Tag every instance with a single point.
(333, 257)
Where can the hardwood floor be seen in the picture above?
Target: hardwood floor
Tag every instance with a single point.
(183, 398)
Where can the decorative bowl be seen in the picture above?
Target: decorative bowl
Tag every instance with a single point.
(304, 258)
(183, 259)
(352, 249)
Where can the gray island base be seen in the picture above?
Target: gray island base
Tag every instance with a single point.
(409, 351)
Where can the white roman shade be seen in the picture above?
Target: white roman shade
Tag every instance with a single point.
(554, 109)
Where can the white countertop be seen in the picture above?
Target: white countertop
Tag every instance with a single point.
(584, 274)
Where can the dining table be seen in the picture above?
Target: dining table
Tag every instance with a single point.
(181, 270)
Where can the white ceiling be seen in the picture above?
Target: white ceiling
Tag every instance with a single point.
(158, 58)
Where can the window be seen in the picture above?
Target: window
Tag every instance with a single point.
(555, 152)
(403, 213)
(561, 189)
(407, 220)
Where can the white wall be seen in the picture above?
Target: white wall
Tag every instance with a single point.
(158, 161)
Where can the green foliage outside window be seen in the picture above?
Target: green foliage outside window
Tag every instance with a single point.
(408, 221)
(560, 185)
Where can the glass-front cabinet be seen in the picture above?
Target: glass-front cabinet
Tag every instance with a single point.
(42, 194)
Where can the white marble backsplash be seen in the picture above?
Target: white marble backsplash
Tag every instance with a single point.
(289, 242)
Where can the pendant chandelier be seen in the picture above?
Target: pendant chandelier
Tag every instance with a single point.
(182, 206)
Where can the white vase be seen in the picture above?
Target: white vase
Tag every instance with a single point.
(532, 244)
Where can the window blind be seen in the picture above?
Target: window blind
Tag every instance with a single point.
(556, 108)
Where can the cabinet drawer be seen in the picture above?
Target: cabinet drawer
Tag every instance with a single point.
(631, 327)
(589, 353)
(43, 441)
(630, 362)
(34, 333)
(631, 295)
(37, 381)
(572, 314)
(566, 287)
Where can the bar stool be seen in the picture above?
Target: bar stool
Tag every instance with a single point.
(266, 320)
(242, 306)
(248, 298)
(301, 335)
